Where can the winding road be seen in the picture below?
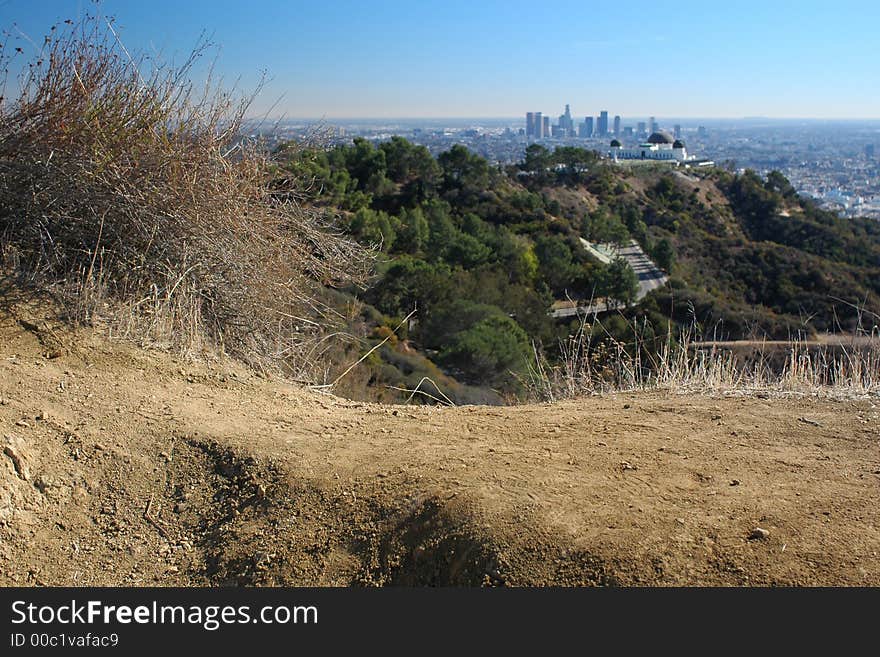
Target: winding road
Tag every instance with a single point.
(650, 276)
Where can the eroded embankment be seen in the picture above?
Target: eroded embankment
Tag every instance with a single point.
(259, 529)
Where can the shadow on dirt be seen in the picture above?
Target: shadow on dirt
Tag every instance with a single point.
(254, 528)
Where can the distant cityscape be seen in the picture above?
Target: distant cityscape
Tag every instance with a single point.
(538, 127)
(834, 162)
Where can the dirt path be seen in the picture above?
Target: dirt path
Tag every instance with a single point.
(123, 466)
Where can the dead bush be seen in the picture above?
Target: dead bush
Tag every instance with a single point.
(132, 196)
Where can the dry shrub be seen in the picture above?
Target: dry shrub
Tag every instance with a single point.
(133, 197)
(839, 366)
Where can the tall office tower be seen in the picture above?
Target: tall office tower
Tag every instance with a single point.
(539, 126)
(602, 123)
(640, 130)
(628, 131)
(702, 132)
(869, 151)
(567, 121)
(676, 129)
(545, 126)
(585, 129)
(566, 126)
(617, 126)
(652, 125)
(530, 124)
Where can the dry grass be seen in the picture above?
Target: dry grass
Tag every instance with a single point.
(588, 365)
(130, 195)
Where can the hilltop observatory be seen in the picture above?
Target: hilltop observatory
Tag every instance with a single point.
(659, 146)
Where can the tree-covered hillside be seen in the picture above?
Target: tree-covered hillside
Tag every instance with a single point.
(481, 253)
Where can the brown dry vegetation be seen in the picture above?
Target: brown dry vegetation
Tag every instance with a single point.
(127, 194)
(839, 366)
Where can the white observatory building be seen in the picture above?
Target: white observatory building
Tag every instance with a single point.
(659, 146)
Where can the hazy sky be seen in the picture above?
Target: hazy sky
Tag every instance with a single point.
(431, 58)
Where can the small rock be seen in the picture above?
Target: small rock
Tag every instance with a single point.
(626, 465)
(734, 482)
(758, 534)
(17, 463)
(22, 423)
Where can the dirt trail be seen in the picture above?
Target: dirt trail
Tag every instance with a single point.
(122, 466)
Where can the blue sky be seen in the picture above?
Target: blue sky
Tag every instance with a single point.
(486, 58)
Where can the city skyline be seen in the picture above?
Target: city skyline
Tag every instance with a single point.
(482, 60)
(538, 126)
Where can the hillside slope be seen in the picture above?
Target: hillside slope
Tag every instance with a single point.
(128, 467)
(482, 254)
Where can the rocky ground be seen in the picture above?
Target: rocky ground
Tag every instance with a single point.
(123, 466)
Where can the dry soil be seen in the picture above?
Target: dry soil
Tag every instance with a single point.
(124, 466)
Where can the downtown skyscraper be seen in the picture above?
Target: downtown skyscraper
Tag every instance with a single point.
(602, 124)
(535, 125)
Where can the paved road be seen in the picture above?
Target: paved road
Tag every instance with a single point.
(650, 278)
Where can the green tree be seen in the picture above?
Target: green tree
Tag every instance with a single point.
(365, 164)
(488, 351)
(413, 168)
(537, 158)
(664, 254)
(414, 231)
(776, 182)
(442, 230)
(603, 226)
(555, 258)
(467, 251)
(622, 284)
(462, 169)
(410, 283)
(371, 227)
